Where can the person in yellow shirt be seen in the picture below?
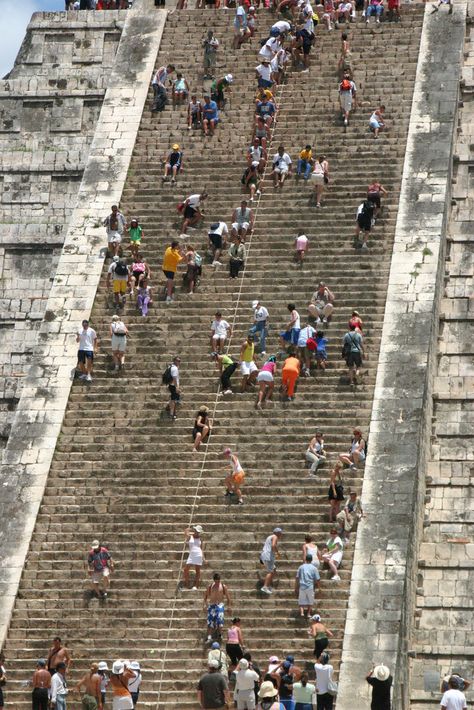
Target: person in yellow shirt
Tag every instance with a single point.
(304, 162)
(248, 368)
(171, 259)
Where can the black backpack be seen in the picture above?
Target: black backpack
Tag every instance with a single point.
(167, 377)
(121, 269)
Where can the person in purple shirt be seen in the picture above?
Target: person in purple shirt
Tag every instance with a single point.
(210, 116)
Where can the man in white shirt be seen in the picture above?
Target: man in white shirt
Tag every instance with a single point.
(115, 225)
(282, 27)
(347, 96)
(217, 234)
(282, 166)
(264, 74)
(260, 318)
(270, 48)
(220, 329)
(87, 339)
(245, 680)
(453, 699)
(59, 688)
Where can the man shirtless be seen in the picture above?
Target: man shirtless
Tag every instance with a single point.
(58, 654)
(41, 683)
(92, 698)
(214, 597)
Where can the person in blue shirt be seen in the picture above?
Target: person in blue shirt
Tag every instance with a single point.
(266, 110)
(210, 116)
(307, 578)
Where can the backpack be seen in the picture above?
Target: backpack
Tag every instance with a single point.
(345, 85)
(121, 269)
(197, 259)
(368, 208)
(167, 377)
(346, 348)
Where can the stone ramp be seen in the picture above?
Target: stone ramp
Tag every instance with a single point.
(123, 471)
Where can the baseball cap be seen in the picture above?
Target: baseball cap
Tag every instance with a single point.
(95, 543)
(273, 659)
(229, 78)
(277, 530)
(116, 258)
(215, 645)
(198, 528)
(243, 664)
(256, 301)
(213, 663)
(315, 617)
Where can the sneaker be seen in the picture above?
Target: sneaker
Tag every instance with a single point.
(241, 501)
(318, 320)
(325, 320)
(312, 475)
(353, 467)
(266, 590)
(169, 299)
(264, 352)
(367, 21)
(336, 578)
(209, 638)
(227, 493)
(88, 378)
(364, 247)
(227, 391)
(346, 122)
(259, 405)
(217, 263)
(318, 204)
(82, 377)
(194, 589)
(104, 595)
(377, 22)
(259, 192)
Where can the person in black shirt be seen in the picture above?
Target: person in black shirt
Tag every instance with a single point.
(381, 681)
(286, 682)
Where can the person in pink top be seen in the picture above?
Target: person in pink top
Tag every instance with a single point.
(301, 247)
(265, 379)
(235, 642)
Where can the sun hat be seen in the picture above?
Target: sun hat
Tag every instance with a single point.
(118, 667)
(175, 146)
(277, 530)
(213, 663)
(273, 659)
(381, 672)
(198, 528)
(215, 645)
(229, 78)
(103, 666)
(135, 666)
(267, 690)
(243, 664)
(95, 543)
(255, 302)
(203, 408)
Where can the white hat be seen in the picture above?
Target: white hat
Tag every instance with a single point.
(243, 664)
(381, 672)
(213, 663)
(116, 258)
(267, 690)
(118, 667)
(255, 303)
(198, 528)
(95, 543)
(135, 666)
(103, 666)
(229, 78)
(315, 617)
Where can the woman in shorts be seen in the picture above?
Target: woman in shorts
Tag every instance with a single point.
(135, 233)
(266, 381)
(140, 271)
(320, 177)
(236, 477)
(202, 427)
(118, 334)
(376, 122)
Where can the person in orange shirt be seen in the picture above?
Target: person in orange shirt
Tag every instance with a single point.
(289, 375)
(173, 255)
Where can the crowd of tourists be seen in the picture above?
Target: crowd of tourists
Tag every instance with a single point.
(233, 674)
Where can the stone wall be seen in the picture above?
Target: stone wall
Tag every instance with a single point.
(384, 580)
(49, 108)
(45, 390)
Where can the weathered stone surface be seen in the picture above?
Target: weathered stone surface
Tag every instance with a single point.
(397, 455)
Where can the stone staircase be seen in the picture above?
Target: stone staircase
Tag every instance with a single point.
(123, 471)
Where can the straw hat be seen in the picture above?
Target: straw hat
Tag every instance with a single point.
(381, 672)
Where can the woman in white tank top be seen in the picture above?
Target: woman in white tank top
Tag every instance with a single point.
(195, 556)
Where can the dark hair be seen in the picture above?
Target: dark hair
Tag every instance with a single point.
(291, 306)
(58, 638)
(352, 326)
(308, 538)
(344, 35)
(382, 107)
(309, 557)
(281, 147)
(236, 620)
(308, 147)
(170, 67)
(218, 314)
(304, 679)
(174, 244)
(61, 667)
(324, 658)
(216, 576)
(320, 334)
(247, 656)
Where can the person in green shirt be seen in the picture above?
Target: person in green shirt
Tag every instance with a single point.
(304, 694)
(226, 367)
(136, 235)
